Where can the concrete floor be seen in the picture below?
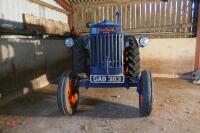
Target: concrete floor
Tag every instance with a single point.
(176, 109)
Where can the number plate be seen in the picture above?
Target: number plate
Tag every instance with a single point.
(106, 79)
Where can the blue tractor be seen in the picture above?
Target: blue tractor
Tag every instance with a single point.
(106, 58)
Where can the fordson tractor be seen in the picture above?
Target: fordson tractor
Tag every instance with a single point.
(106, 58)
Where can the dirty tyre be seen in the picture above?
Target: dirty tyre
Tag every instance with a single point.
(146, 93)
(132, 62)
(80, 54)
(67, 94)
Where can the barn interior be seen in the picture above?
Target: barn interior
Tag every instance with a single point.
(33, 55)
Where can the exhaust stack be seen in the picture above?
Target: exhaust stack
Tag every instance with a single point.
(118, 17)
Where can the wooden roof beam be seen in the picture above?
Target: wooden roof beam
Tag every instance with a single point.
(65, 5)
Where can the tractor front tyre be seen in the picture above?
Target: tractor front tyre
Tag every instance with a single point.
(145, 93)
(68, 93)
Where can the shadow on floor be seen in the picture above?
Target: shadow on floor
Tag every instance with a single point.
(44, 104)
(98, 108)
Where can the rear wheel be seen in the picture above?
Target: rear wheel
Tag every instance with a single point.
(132, 59)
(80, 55)
(145, 93)
(68, 93)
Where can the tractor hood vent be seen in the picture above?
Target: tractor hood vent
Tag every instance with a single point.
(105, 27)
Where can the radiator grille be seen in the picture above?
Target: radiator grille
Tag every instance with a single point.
(106, 50)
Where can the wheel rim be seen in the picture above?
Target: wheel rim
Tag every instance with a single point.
(141, 99)
(72, 93)
(141, 96)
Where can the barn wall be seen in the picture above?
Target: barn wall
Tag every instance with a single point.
(30, 59)
(163, 57)
(169, 57)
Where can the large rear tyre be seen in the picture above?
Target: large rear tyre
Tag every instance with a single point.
(132, 59)
(79, 57)
(68, 93)
(145, 93)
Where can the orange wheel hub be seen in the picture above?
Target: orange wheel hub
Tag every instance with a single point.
(141, 96)
(141, 99)
(126, 62)
(72, 92)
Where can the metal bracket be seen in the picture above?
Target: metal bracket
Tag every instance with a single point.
(196, 76)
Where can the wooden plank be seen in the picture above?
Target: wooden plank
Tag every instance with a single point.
(163, 17)
(181, 14)
(150, 15)
(186, 14)
(105, 12)
(133, 15)
(111, 13)
(197, 53)
(97, 15)
(92, 14)
(184, 11)
(130, 16)
(75, 16)
(126, 16)
(155, 15)
(44, 26)
(114, 13)
(84, 19)
(178, 15)
(79, 19)
(171, 15)
(167, 22)
(159, 17)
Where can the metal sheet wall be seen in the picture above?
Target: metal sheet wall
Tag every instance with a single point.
(11, 13)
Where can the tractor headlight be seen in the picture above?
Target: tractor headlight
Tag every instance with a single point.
(69, 42)
(143, 41)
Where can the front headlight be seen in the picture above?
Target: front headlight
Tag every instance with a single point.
(143, 41)
(69, 42)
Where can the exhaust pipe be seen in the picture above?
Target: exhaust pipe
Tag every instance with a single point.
(118, 17)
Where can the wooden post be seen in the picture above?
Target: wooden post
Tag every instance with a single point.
(197, 53)
(70, 20)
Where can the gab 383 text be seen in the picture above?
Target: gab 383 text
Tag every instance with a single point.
(106, 79)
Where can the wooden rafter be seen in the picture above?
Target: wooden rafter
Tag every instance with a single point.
(65, 5)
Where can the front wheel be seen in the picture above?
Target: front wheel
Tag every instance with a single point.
(145, 93)
(68, 93)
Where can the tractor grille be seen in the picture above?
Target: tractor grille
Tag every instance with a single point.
(106, 50)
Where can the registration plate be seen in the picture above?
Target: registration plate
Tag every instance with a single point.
(106, 79)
